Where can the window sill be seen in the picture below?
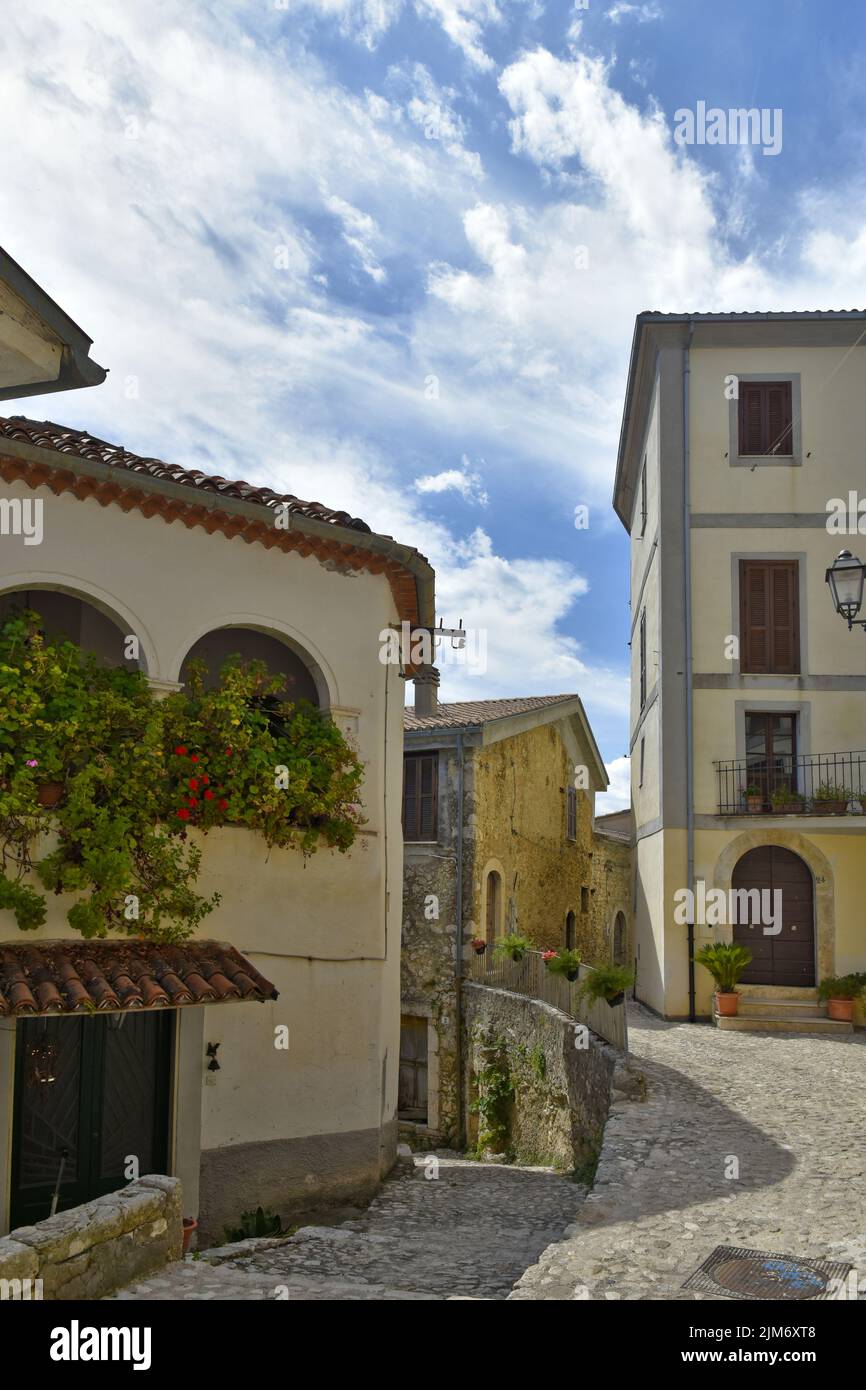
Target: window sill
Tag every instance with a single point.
(766, 461)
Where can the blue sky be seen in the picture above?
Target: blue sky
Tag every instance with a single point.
(388, 254)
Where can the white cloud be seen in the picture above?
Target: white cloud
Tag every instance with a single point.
(463, 21)
(360, 233)
(618, 795)
(461, 480)
(642, 13)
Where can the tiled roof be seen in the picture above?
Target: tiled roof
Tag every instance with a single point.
(466, 713)
(80, 977)
(63, 440)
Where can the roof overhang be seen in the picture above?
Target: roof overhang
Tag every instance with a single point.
(654, 331)
(409, 574)
(41, 348)
(123, 976)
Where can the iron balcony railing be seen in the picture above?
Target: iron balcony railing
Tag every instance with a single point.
(810, 784)
(531, 977)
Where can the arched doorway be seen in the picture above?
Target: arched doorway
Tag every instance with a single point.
(784, 955)
(620, 938)
(494, 902)
(569, 930)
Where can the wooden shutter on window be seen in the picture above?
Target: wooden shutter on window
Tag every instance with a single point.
(643, 659)
(769, 617)
(766, 417)
(420, 820)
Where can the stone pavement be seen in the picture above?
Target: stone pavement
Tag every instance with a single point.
(787, 1112)
(747, 1139)
(468, 1233)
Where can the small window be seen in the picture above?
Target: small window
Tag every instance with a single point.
(643, 505)
(569, 931)
(571, 813)
(584, 900)
(420, 801)
(766, 424)
(643, 659)
(642, 751)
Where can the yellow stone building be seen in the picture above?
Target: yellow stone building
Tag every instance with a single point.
(740, 435)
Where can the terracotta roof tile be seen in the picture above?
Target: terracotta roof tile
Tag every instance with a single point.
(466, 713)
(63, 440)
(71, 977)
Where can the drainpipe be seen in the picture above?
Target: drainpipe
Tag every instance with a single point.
(458, 950)
(687, 589)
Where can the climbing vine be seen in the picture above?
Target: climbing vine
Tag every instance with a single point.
(117, 777)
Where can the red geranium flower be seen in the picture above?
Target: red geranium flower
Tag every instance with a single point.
(193, 757)
(180, 750)
(193, 784)
(208, 796)
(205, 778)
(192, 801)
(223, 805)
(548, 955)
(229, 752)
(183, 813)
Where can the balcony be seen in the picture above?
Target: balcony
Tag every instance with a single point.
(808, 784)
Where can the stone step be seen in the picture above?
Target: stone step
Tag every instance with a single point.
(781, 1008)
(771, 1022)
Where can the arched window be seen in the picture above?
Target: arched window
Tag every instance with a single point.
(569, 930)
(494, 905)
(217, 646)
(620, 939)
(74, 619)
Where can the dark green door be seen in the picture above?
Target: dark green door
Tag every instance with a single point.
(97, 1089)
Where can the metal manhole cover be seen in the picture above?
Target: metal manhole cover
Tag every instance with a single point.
(737, 1273)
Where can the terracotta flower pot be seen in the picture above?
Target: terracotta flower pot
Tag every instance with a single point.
(190, 1224)
(727, 1004)
(840, 1009)
(49, 793)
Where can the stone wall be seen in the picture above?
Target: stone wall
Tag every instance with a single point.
(612, 892)
(91, 1250)
(556, 1093)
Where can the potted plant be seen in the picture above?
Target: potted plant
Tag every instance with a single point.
(830, 800)
(753, 796)
(190, 1224)
(479, 945)
(512, 947)
(786, 802)
(607, 982)
(726, 962)
(840, 993)
(564, 962)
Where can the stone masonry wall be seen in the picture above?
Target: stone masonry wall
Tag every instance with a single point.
(91, 1250)
(557, 1110)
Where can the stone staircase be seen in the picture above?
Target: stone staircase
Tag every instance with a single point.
(795, 1013)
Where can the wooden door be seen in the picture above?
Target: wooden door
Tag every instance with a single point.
(96, 1090)
(412, 1094)
(787, 958)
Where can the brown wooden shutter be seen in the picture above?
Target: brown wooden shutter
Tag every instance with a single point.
(751, 434)
(420, 821)
(779, 422)
(785, 611)
(769, 617)
(643, 659)
(766, 423)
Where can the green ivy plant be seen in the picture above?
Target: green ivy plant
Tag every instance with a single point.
(132, 774)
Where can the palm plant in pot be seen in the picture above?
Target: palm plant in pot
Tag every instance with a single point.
(726, 961)
(563, 962)
(840, 993)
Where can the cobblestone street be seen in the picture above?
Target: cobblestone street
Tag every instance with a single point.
(791, 1110)
(788, 1110)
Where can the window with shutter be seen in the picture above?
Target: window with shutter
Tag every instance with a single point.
(571, 813)
(420, 802)
(766, 423)
(643, 659)
(769, 617)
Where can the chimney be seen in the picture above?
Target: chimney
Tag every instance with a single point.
(426, 692)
